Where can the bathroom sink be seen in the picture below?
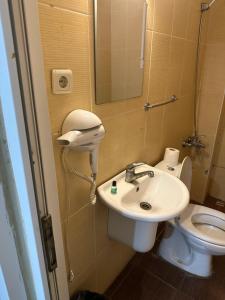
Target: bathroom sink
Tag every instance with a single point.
(137, 207)
(149, 199)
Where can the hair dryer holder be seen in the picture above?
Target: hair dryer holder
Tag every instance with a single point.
(83, 131)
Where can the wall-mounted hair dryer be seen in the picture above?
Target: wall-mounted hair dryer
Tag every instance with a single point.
(83, 131)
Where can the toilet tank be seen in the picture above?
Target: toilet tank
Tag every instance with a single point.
(183, 170)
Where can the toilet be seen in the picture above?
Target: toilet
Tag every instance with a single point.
(190, 240)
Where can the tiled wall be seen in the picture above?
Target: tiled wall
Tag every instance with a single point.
(211, 98)
(131, 133)
(217, 178)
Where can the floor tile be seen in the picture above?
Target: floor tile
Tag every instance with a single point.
(204, 288)
(141, 285)
(152, 263)
(123, 275)
(181, 296)
(148, 277)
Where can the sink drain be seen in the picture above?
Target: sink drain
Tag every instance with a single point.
(145, 205)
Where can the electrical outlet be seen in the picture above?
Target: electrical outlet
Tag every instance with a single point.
(62, 81)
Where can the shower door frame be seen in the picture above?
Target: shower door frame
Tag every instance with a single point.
(28, 83)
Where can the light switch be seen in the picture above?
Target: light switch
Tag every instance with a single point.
(62, 81)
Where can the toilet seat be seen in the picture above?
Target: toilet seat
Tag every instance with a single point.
(203, 223)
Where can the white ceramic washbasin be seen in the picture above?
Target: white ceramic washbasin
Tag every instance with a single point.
(166, 194)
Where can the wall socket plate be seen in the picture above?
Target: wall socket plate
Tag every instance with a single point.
(62, 81)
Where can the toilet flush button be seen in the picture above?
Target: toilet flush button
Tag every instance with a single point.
(62, 81)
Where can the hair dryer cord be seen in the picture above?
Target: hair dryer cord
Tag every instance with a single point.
(91, 179)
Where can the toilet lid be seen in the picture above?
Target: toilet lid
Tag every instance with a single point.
(204, 223)
(186, 172)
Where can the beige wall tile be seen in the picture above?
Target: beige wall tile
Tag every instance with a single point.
(216, 186)
(216, 28)
(84, 6)
(61, 180)
(121, 144)
(213, 75)
(126, 253)
(115, 257)
(101, 226)
(203, 158)
(211, 94)
(65, 43)
(77, 189)
(202, 161)
(154, 136)
(193, 20)
(209, 111)
(159, 67)
(81, 240)
(177, 113)
(219, 159)
(205, 29)
(176, 63)
(180, 19)
(199, 184)
(163, 16)
(85, 281)
(188, 73)
(110, 257)
(150, 14)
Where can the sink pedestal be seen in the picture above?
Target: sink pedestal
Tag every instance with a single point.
(139, 235)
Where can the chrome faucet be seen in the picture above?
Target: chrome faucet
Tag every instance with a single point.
(193, 141)
(132, 176)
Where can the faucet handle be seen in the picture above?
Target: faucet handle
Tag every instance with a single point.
(133, 165)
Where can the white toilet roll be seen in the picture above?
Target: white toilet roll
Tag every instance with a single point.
(171, 156)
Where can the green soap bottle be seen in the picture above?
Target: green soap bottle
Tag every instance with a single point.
(114, 187)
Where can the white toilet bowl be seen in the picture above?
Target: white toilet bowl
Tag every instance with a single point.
(190, 241)
(204, 228)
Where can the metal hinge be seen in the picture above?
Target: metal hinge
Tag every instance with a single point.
(49, 242)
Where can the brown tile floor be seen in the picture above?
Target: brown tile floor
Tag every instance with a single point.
(148, 277)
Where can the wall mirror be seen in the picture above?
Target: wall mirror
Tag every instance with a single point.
(120, 27)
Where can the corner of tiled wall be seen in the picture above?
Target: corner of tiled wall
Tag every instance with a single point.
(210, 102)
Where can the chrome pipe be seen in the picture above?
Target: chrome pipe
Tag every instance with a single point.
(206, 6)
(211, 3)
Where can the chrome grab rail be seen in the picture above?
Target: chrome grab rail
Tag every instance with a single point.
(148, 106)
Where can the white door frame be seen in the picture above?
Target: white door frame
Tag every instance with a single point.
(33, 120)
